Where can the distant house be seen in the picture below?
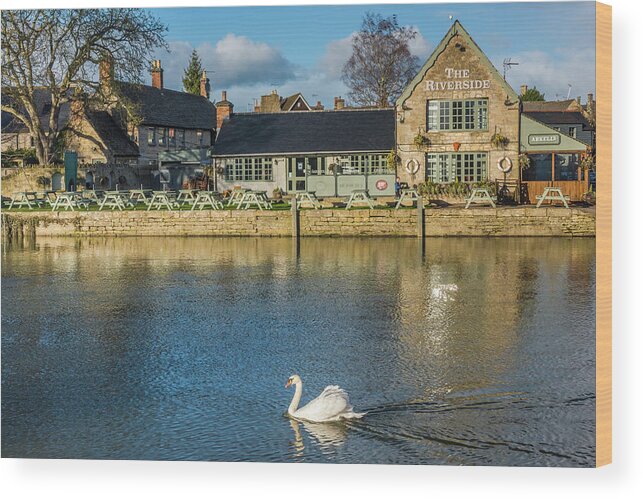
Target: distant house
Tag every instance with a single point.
(15, 134)
(329, 152)
(274, 103)
(141, 121)
(567, 116)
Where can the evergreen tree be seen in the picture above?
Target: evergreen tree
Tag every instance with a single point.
(192, 75)
(533, 94)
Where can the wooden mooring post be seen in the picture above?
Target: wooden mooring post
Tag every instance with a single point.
(420, 217)
(294, 212)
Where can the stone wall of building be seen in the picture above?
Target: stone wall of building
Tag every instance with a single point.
(503, 113)
(519, 221)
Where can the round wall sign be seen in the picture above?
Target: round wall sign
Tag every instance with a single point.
(381, 185)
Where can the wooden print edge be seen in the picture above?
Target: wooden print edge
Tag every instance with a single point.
(603, 234)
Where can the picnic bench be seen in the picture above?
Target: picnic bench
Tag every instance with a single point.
(360, 196)
(69, 200)
(115, 199)
(187, 196)
(410, 194)
(137, 196)
(254, 198)
(20, 199)
(236, 195)
(307, 198)
(207, 198)
(480, 196)
(552, 194)
(163, 199)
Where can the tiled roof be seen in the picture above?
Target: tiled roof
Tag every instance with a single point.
(165, 107)
(307, 131)
(561, 118)
(112, 135)
(548, 106)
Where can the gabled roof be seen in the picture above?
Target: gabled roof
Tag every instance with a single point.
(112, 135)
(455, 30)
(42, 100)
(290, 101)
(561, 118)
(306, 132)
(170, 108)
(530, 126)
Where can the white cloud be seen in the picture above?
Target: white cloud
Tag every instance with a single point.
(233, 60)
(551, 73)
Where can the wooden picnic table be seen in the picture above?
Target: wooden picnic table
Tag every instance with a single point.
(47, 197)
(187, 196)
(69, 200)
(207, 198)
(115, 199)
(480, 195)
(24, 198)
(410, 194)
(552, 194)
(140, 195)
(307, 198)
(256, 198)
(360, 196)
(236, 195)
(163, 199)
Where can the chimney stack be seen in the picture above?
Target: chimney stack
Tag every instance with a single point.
(339, 103)
(157, 74)
(205, 85)
(224, 109)
(523, 89)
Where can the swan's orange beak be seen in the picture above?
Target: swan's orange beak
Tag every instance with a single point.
(288, 383)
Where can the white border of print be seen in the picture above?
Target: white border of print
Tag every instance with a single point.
(113, 479)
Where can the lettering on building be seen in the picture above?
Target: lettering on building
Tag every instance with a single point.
(457, 79)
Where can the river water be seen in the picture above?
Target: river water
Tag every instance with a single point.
(464, 351)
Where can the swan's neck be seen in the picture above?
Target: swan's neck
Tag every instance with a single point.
(295, 400)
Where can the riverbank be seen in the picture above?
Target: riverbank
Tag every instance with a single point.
(437, 222)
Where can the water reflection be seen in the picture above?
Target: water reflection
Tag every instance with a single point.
(463, 351)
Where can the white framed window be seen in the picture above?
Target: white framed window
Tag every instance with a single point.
(462, 167)
(457, 115)
(151, 136)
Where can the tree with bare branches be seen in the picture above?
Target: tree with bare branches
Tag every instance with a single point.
(58, 51)
(381, 64)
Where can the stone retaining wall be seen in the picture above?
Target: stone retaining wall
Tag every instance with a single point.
(518, 221)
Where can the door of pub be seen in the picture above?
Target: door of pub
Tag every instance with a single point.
(296, 174)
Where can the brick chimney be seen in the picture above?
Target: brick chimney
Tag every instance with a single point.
(106, 70)
(205, 85)
(523, 89)
(224, 109)
(157, 74)
(339, 103)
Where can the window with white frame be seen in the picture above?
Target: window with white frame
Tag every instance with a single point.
(461, 167)
(151, 136)
(457, 115)
(248, 169)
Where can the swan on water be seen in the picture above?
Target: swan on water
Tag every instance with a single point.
(331, 405)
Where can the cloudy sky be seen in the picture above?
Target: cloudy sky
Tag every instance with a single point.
(249, 51)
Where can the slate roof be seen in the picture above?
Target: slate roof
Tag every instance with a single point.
(112, 135)
(171, 108)
(561, 118)
(306, 132)
(42, 99)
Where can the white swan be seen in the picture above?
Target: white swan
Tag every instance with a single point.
(331, 405)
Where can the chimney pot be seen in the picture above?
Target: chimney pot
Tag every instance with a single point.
(204, 88)
(523, 89)
(224, 95)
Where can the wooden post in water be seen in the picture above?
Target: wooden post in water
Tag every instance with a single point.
(420, 217)
(294, 213)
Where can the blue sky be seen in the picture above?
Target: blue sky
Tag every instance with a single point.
(255, 49)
